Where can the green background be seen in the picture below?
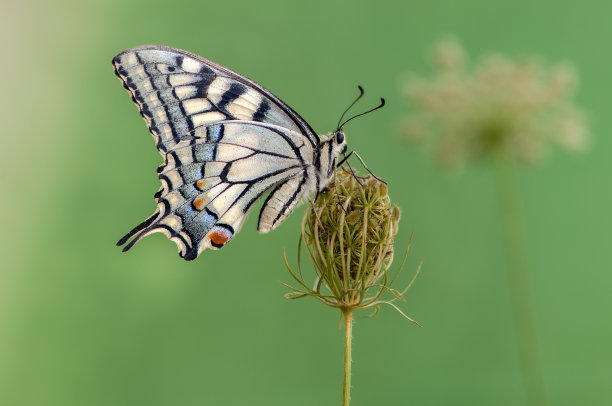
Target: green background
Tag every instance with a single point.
(83, 324)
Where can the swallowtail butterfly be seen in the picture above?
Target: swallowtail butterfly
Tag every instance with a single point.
(225, 141)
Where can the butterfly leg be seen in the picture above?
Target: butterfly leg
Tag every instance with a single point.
(314, 210)
(362, 163)
(338, 194)
(345, 160)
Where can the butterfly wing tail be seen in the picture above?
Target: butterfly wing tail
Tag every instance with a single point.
(136, 229)
(157, 224)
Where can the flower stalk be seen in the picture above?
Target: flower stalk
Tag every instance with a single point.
(349, 233)
(348, 344)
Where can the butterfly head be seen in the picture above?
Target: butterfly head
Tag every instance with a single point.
(334, 143)
(339, 142)
(332, 146)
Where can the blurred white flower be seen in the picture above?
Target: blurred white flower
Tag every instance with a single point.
(516, 107)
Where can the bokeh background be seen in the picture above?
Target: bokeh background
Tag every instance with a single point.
(83, 324)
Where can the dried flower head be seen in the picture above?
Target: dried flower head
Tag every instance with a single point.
(513, 107)
(349, 234)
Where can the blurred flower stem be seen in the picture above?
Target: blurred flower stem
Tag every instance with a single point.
(505, 110)
(518, 280)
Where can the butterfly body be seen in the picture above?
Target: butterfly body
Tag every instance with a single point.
(226, 142)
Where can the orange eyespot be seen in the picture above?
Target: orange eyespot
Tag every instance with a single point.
(220, 236)
(198, 203)
(202, 183)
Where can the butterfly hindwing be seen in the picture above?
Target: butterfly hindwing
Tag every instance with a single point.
(179, 94)
(210, 183)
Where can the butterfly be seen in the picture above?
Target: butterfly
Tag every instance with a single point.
(226, 141)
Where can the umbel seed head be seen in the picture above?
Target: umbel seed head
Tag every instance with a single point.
(349, 232)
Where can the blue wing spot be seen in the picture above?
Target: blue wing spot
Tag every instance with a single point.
(214, 133)
(203, 152)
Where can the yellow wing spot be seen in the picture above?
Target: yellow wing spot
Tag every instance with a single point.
(193, 106)
(189, 65)
(203, 184)
(129, 59)
(181, 79)
(206, 118)
(183, 92)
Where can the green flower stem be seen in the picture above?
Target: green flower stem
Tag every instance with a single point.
(348, 343)
(518, 278)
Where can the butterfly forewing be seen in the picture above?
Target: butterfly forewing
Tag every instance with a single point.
(179, 94)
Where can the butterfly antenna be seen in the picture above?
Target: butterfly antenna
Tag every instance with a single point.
(349, 107)
(382, 103)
